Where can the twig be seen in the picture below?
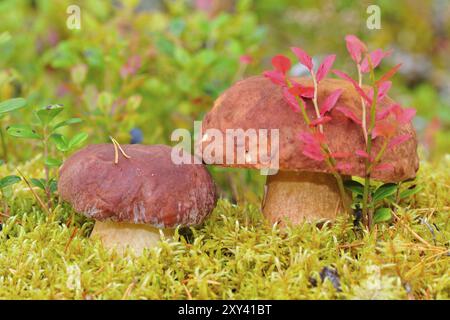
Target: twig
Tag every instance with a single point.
(121, 150)
(4, 215)
(423, 262)
(128, 291)
(420, 247)
(117, 147)
(187, 292)
(101, 290)
(428, 209)
(412, 231)
(429, 227)
(350, 245)
(116, 152)
(71, 238)
(39, 200)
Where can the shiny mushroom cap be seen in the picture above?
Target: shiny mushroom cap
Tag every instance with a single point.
(147, 189)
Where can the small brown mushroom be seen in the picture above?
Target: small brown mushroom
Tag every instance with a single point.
(303, 188)
(134, 199)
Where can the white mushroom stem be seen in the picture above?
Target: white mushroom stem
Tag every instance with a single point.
(119, 235)
(301, 196)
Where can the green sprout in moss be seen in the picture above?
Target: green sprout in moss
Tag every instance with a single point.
(46, 131)
(6, 107)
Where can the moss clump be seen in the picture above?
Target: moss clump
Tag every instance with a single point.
(234, 255)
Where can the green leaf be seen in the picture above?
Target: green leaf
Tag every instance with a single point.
(410, 191)
(51, 162)
(60, 141)
(177, 26)
(5, 37)
(8, 181)
(40, 183)
(7, 192)
(53, 185)
(104, 101)
(384, 191)
(182, 56)
(47, 114)
(67, 122)
(78, 73)
(164, 46)
(22, 131)
(354, 186)
(12, 104)
(134, 102)
(382, 215)
(78, 139)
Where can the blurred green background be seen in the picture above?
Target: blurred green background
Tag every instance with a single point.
(152, 66)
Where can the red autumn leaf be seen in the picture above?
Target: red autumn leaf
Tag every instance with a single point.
(355, 47)
(362, 154)
(383, 129)
(291, 100)
(343, 166)
(306, 138)
(340, 155)
(407, 116)
(245, 59)
(319, 137)
(299, 90)
(313, 154)
(383, 90)
(349, 114)
(330, 101)
(383, 114)
(303, 57)
(325, 67)
(321, 120)
(276, 77)
(131, 67)
(389, 74)
(345, 76)
(403, 115)
(204, 5)
(375, 57)
(383, 167)
(311, 147)
(281, 63)
(398, 140)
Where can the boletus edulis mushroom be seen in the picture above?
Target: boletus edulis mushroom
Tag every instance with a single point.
(132, 199)
(302, 189)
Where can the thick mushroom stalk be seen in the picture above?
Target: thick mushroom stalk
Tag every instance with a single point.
(119, 236)
(301, 196)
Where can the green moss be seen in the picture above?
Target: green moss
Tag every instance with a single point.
(234, 255)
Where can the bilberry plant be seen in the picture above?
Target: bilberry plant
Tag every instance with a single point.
(372, 122)
(46, 130)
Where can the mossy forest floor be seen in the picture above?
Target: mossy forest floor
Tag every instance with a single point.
(234, 255)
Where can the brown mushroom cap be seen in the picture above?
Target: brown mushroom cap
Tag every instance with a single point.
(257, 103)
(148, 188)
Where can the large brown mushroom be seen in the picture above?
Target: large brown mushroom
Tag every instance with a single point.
(303, 188)
(135, 198)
